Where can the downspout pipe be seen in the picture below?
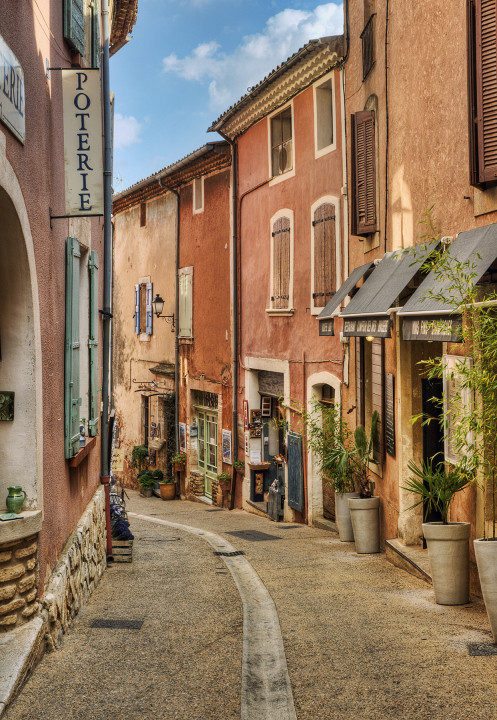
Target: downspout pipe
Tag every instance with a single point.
(234, 274)
(176, 313)
(106, 314)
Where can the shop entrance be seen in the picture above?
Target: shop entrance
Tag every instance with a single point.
(207, 448)
(433, 441)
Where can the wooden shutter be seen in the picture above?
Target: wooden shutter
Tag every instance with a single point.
(324, 254)
(72, 399)
(485, 19)
(95, 34)
(137, 309)
(74, 25)
(359, 380)
(93, 410)
(295, 466)
(377, 375)
(185, 304)
(364, 173)
(281, 263)
(149, 310)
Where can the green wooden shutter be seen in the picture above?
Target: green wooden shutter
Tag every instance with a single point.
(95, 35)
(93, 410)
(295, 464)
(72, 399)
(74, 25)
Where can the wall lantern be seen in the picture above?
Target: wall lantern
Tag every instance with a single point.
(158, 304)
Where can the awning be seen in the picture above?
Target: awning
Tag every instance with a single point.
(427, 318)
(367, 312)
(325, 317)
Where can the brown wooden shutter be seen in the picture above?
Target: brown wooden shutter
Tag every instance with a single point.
(377, 383)
(474, 177)
(486, 88)
(281, 263)
(364, 166)
(324, 254)
(359, 380)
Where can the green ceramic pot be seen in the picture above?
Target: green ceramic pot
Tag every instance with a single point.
(15, 499)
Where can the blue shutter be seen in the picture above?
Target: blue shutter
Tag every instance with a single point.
(74, 25)
(72, 400)
(150, 314)
(295, 465)
(137, 309)
(93, 410)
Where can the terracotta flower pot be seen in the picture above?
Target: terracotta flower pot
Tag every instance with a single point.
(179, 467)
(167, 491)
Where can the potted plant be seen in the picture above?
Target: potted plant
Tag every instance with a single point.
(179, 461)
(224, 479)
(239, 466)
(448, 542)
(364, 510)
(139, 456)
(167, 487)
(147, 482)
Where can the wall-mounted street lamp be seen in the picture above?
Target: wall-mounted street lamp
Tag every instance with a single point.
(158, 304)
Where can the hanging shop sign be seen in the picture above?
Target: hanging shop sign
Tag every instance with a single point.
(365, 327)
(82, 107)
(326, 327)
(12, 99)
(441, 328)
(390, 413)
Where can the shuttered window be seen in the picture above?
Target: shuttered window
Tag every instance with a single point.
(144, 310)
(324, 231)
(280, 234)
(369, 377)
(93, 409)
(295, 464)
(363, 205)
(74, 25)
(72, 397)
(185, 302)
(482, 86)
(281, 142)
(95, 34)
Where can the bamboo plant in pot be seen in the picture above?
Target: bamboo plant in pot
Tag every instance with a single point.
(448, 542)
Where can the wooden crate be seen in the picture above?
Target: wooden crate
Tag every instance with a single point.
(122, 550)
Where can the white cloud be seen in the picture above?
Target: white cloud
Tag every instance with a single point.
(126, 131)
(230, 75)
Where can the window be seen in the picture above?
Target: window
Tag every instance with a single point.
(74, 25)
(143, 214)
(482, 86)
(281, 142)
(282, 263)
(323, 254)
(186, 302)
(144, 316)
(81, 344)
(363, 167)
(369, 374)
(324, 130)
(198, 195)
(367, 37)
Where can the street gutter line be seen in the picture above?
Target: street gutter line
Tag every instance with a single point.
(266, 688)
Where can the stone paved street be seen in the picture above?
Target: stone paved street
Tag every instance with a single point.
(361, 637)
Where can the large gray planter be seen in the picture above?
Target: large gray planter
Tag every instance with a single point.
(448, 552)
(364, 513)
(342, 513)
(486, 559)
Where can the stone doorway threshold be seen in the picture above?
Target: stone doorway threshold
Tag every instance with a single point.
(411, 558)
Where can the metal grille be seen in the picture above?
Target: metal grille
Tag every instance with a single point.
(117, 624)
(482, 649)
(221, 553)
(367, 37)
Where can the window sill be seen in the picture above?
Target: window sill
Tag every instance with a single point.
(29, 524)
(185, 341)
(143, 337)
(280, 312)
(80, 456)
(280, 178)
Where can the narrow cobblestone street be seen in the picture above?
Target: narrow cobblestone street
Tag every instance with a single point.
(361, 637)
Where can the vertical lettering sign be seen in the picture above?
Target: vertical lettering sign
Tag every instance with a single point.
(83, 142)
(390, 413)
(12, 108)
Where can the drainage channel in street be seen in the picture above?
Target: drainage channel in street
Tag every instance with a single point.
(266, 688)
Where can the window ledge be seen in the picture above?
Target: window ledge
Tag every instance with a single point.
(280, 312)
(29, 524)
(185, 341)
(280, 178)
(80, 456)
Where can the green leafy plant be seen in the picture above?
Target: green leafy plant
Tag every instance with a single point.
(239, 465)
(146, 480)
(139, 455)
(224, 477)
(179, 458)
(158, 475)
(436, 486)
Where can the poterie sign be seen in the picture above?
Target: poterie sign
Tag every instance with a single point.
(83, 142)
(12, 99)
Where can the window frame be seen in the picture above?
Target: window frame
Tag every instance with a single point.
(195, 192)
(319, 152)
(289, 310)
(144, 335)
(275, 179)
(184, 274)
(326, 200)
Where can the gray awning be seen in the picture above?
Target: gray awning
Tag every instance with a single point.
(476, 247)
(345, 289)
(386, 282)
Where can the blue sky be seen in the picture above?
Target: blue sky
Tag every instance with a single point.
(189, 60)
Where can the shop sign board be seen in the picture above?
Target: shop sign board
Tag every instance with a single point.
(82, 106)
(365, 327)
(442, 328)
(390, 413)
(12, 98)
(326, 327)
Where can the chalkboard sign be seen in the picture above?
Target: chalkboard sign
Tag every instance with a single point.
(390, 413)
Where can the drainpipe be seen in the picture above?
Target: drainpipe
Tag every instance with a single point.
(106, 312)
(176, 315)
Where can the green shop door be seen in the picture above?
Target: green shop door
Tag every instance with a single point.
(207, 448)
